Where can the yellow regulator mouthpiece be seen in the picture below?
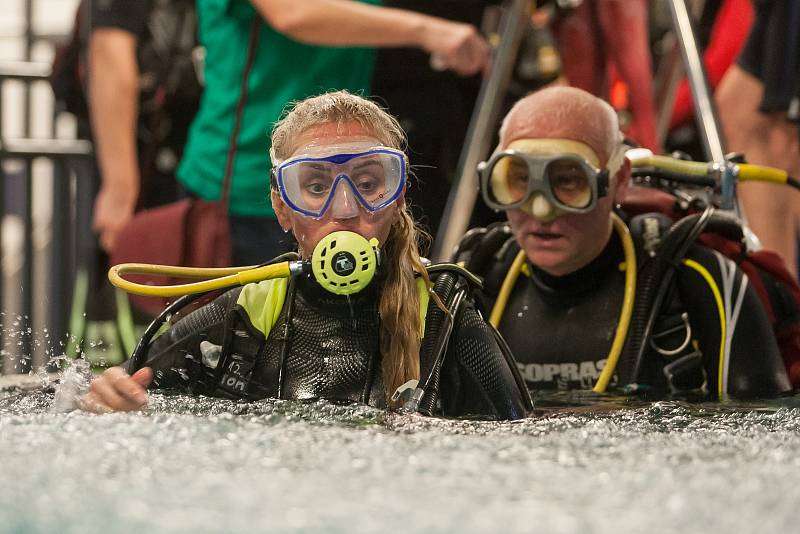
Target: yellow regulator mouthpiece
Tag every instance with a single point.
(345, 262)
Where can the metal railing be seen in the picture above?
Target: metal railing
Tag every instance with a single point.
(42, 291)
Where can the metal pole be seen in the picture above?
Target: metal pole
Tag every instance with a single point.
(704, 105)
(28, 50)
(666, 80)
(461, 201)
(57, 290)
(3, 210)
(25, 357)
(706, 113)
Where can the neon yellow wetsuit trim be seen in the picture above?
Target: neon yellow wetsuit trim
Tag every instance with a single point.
(263, 302)
(424, 298)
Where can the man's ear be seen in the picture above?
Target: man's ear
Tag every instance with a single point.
(621, 181)
(281, 211)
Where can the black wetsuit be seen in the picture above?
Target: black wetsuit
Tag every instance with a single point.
(560, 329)
(326, 346)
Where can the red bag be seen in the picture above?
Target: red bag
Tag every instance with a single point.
(190, 232)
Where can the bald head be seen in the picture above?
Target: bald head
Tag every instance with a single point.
(564, 113)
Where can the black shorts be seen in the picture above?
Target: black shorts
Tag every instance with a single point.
(772, 52)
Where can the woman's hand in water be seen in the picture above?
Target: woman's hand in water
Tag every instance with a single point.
(116, 391)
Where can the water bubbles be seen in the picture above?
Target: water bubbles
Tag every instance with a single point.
(74, 385)
(288, 466)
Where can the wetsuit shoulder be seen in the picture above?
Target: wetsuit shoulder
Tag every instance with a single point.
(478, 375)
(488, 252)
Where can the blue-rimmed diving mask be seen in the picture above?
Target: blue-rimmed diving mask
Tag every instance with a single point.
(375, 178)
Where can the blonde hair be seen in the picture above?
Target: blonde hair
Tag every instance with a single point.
(399, 301)
(337, 107)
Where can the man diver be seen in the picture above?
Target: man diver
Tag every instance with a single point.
(339, 172)
(561, 292)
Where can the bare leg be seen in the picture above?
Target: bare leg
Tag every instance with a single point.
(773, 212)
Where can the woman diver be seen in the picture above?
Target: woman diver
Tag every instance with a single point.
(401, 341)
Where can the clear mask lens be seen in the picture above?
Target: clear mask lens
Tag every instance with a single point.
(566, 181)
(374, 178)
(570, 183)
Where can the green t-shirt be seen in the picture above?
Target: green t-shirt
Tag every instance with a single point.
(283, 71)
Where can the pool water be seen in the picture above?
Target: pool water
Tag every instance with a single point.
(207, 465)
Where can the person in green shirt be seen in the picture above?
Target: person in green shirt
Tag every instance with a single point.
(303, 48)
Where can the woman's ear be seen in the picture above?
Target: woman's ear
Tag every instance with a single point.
(281, 211)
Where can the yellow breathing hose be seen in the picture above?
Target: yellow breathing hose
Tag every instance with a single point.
(666, 163)
(761, 173)
(343, 262)
(221, 277)
(747, 172)
(627, 305)
(505, 290)
(625, 312)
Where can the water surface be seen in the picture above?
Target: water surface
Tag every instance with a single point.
(208, 465)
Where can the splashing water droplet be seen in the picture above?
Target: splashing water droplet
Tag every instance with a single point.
(74, 384)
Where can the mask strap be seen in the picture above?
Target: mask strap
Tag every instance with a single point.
(617, 158)
(602, 183)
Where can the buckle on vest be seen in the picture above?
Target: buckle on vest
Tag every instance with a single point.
(683, 325)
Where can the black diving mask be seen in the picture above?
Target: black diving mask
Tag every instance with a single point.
(510, 178)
